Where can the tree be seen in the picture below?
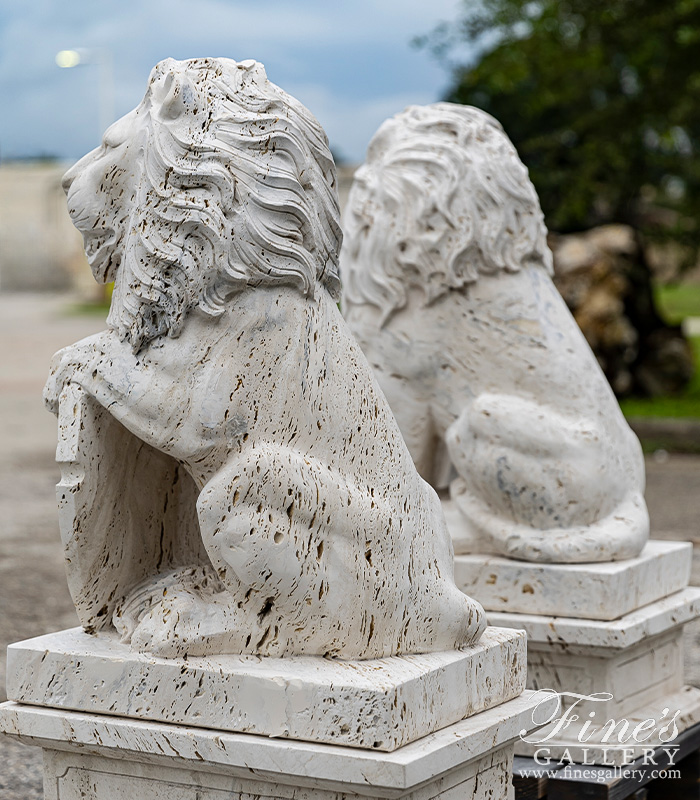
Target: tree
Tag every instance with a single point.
(602, 100)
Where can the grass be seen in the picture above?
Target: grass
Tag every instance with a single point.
(676, 301)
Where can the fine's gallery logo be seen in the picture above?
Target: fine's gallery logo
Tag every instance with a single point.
(579, 729)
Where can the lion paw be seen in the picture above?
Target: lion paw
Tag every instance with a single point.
(189, 623)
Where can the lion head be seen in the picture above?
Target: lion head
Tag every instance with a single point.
(441, 199)
(219, 180)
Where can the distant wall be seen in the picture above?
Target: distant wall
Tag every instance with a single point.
(40, 250)
(345, 176)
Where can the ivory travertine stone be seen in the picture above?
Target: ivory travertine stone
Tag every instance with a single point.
(248, 543)
(233, 480)
(447, 286)
(587, 591)
(643, 623)
(152, 761)
(637, 658)
(380, 704)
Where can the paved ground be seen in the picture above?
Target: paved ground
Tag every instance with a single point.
(33, 594)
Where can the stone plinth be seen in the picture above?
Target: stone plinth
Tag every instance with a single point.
(114, 724)
(110, 757)
(603, 591)
(637, 658)
(631, 629)
(380, 704)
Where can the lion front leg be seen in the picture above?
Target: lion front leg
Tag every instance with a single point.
(105, 368)
(74, 363)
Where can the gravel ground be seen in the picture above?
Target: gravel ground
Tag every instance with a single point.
(34, 597)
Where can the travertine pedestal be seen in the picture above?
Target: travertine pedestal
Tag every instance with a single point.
(114, 724)
(618, 630)
(110, 758)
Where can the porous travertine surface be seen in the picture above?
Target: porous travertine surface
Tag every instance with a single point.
(233, 478)
(379, 704)
(603, 591)
(121, 757)
(447, 286)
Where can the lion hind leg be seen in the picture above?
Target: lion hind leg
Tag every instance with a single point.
(620, 535)
(447, 619)
(540, 485)
(275, 524)
(261, 516)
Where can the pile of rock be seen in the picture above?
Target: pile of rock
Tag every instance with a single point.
(604, 279)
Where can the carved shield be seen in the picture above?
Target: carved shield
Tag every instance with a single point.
(126, 510)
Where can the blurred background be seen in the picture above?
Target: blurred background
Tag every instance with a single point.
(68, 69)
(601, 98)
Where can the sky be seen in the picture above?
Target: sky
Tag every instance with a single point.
(351, 63)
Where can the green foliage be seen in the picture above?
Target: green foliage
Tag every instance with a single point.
(676, 301)
(601, 99)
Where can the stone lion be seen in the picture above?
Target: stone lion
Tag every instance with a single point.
(447, 286)
(233, 479)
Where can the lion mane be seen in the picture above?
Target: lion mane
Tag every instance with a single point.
(235, 171)
(423, 215)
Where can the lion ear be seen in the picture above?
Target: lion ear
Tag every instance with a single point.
(173, 95)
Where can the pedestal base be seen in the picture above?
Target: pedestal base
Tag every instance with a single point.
(603, 591)
(638, 659)
(105, 758)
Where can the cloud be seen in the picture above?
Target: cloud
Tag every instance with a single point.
(350, 63)
(350, 128)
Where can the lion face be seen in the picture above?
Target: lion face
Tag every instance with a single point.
(216, 183)
(101, 189)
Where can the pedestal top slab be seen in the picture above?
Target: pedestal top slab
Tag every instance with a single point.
(380, 704)
(235, 753)
(650, 620)
(602, 591)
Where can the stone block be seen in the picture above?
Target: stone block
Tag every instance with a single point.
(637, 659)
(104, 757)
(572, 634)
(603, 591)
(380, 704)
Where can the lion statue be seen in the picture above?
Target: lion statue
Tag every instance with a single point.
(447, 287)
(233, 478)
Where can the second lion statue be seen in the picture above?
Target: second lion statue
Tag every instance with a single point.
(447, 286)
(233, 478)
